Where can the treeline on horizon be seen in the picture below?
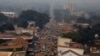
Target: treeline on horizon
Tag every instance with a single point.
(7, 23)
(41, 19)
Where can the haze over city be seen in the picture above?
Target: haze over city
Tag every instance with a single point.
(37, 4)
(49, 28)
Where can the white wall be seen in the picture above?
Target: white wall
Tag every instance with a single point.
(63, 49)
(69, 54)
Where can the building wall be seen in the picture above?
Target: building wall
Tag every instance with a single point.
(79, 51)
(61, 41)
(69, 54)
(68, 6)
(9, 14)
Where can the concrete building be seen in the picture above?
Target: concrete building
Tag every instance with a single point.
(16, 47)
(80, 13)
(65, 51)
(9, 14)
(8, 53)
(30, 29)
(11, 37)
(68, 6)
(84, 25)
(67, 48)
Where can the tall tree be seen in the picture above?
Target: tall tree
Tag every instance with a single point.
(30, 15)
(3, 18)
(83, 20)
(8, 26)
(87, 35)
(73, 35)
(83, 36)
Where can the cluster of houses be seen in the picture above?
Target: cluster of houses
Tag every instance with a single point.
(66, 47)
(15, 47)
(18, 45)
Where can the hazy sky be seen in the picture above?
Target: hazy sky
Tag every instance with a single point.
(83, 2)
(50, 0)
(79, 3)
(76, 1)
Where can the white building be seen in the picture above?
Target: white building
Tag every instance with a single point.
(65, 51)
(80, 13)
(9, 14)
(65, 48)
(30, 29)
(68, 6)
(84, 25)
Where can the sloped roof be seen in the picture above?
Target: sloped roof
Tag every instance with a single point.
(70, 51)
(14, 46)
(19, 41)
(16, 43)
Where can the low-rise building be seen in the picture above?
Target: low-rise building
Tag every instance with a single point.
(68, 51)
(30, 29)
(66, 47)
(64, 27)
(9, 14)
(84, 25)
(17, 46)
(80, 13)
(11, 37)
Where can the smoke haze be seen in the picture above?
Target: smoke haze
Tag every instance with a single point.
(44, 4)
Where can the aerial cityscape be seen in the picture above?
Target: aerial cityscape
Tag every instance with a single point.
(49, 28)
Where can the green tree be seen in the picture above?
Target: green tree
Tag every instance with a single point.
(3, 18)
(96, 29)
(1, 29)
(86, 35)
(73, 35)
(30, 15)
(95, 19)
(8, 26)
(83, 20)
(83, 36)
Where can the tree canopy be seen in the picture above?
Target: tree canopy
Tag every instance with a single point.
(96, 29)
(86, 35)
(3, 18)
(73, 35)
(83, 20)
(30, 15)
(8, 26)
(83, 36)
